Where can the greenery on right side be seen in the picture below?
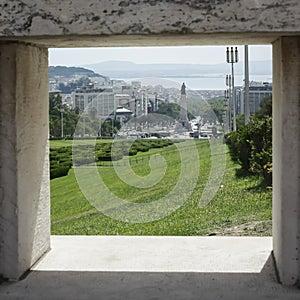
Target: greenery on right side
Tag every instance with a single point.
(251, 144)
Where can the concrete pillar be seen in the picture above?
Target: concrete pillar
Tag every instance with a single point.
(24, 175)
(286, 159)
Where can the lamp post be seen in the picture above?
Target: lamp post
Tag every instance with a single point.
(112, 126)
(226, 111)
(228, 96)
(100, 129)
(247, 105)
(232, 58)
(135, 111)
(62, 121)
(83, 124)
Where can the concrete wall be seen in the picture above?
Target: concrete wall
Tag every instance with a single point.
(24, 182)
(286, 158)
(24, 179)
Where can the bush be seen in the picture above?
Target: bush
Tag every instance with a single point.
(251, 146)
(107, 155)
(60, 162)
(231, 140)
(59, 171)
(132, 152)
(61, 158)
(261, 149)
(66, 150)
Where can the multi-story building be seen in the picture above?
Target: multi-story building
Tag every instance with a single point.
(124, 100)
(104, 101)
(100, 100)
(257, 92)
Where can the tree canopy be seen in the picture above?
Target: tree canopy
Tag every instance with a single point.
(70, 118)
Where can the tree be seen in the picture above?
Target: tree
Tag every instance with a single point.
(55, 102)
(211, 111)
(265, 108)
(240, 121)
(70, 118)
(72, 86)
(172, 110)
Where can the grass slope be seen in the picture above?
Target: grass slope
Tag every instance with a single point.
(241, 199)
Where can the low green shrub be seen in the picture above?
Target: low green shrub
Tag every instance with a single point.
(60, 161)
(61, 158)
(251, 146)
(61, 170)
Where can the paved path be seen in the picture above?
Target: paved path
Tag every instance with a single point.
(109, 267)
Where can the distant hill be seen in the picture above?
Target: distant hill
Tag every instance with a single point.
(71, 71)
(125, 69)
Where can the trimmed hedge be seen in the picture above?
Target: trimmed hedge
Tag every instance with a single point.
(61, 158)
(60, 161)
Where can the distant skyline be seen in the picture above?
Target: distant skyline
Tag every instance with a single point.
(151, 55)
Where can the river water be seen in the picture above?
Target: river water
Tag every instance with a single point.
(208, 82)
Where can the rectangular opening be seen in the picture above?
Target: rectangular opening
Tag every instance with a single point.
(106, 103)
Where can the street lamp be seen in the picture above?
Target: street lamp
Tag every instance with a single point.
(226, 111)
(62, 121)
(232, 58)
(228, 96)
(246, 102)
(100, 129)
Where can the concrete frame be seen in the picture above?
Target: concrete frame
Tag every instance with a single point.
(26, 33)
(286, 158)
(24, 167)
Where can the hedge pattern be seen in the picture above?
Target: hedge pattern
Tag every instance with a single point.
(61, 158)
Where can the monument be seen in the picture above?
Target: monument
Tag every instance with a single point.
(183, 116)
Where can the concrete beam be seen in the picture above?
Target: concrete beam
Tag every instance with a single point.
(87, 22)
(24, 179)
(286, 158)
(148, 40)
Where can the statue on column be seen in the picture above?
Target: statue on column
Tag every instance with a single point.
(183, 89)
(183, 114)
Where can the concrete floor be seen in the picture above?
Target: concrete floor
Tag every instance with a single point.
(104, 267)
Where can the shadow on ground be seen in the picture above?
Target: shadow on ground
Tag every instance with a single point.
(149, 285)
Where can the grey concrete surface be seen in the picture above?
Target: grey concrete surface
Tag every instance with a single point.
(24, 158)
(147, 22)
(156, 254)
(24, 186)
(106, 17)
(286, 158)
(221, 281)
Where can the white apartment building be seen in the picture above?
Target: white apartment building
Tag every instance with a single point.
(257, 92)
(102, 100)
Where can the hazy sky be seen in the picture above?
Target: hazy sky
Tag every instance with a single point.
(148, 55)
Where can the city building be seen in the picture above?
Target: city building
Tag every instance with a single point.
(124, 100)
(101, 100)
(257, 92)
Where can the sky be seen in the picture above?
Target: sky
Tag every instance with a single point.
(151, 55)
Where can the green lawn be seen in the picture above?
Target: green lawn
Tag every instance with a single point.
(241, 199)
